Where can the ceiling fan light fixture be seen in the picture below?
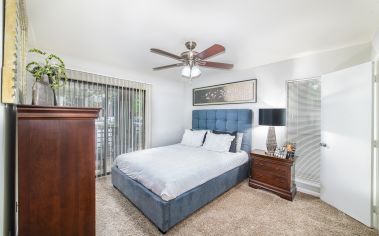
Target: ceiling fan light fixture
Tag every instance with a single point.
(195, 72)
(186, 71)
(191, 72)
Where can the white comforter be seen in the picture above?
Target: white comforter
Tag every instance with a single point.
(172, 170)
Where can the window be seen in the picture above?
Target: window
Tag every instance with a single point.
(123, 120)
(304, 126)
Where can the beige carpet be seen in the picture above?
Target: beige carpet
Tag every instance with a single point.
(240, 211)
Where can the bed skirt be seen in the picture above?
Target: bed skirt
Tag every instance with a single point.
(166, 214)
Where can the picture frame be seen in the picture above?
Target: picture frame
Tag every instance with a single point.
(238, 92)
(281, 152)
(291, 149)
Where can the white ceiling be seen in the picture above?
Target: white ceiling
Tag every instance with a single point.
(254, 32)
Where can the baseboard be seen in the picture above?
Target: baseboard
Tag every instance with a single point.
(307, 191)
(308, 187)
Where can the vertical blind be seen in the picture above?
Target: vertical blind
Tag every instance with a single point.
(303, 126)
(124, 120)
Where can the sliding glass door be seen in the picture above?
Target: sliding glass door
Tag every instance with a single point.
(121, 125)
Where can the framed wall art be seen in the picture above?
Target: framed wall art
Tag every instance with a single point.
(230, 93)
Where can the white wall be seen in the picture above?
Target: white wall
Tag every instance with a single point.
(272, 79)
(167, 98)
(375, 46)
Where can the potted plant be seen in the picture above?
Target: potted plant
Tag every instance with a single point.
(49, 75)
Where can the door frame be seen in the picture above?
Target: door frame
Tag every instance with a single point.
(375, 146)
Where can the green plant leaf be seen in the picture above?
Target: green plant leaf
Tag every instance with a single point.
(53, 68)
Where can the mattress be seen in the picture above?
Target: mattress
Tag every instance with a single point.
(173, 170)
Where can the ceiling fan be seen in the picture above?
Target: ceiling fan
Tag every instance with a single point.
(191, 60)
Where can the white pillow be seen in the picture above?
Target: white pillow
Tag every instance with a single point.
(193, 138)
(218, 142)
(239, 142)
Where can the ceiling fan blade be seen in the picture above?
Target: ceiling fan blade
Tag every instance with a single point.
(216, 65)
(211, 51)
(164, 53)
(169, 66)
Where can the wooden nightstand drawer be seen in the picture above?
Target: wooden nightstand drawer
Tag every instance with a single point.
(272, 174)
(270, 167)
(271, 178)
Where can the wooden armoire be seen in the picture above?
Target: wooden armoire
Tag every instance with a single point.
(55, 173)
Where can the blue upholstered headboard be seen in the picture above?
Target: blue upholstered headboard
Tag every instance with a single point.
(226, 120)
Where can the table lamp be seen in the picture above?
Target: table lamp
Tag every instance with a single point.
(272, 117)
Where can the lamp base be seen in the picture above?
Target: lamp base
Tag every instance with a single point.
(271, 141)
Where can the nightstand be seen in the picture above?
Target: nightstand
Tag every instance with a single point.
(273, 174)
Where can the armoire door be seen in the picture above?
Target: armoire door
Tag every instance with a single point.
(56, 170)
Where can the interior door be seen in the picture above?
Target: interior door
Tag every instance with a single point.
(346, 140)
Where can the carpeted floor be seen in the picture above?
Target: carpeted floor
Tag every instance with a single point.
(240, 211)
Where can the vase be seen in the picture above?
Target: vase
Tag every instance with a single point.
(271, 140)
(43, 94)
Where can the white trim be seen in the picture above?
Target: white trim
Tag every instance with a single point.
(373, 131)
(307, 191)
(308, 187)
(375, 150)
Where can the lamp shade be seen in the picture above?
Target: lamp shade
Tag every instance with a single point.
(272, 117)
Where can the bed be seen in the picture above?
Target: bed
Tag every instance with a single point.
(167, 206)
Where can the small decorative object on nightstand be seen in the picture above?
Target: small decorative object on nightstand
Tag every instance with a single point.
(273, 174)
